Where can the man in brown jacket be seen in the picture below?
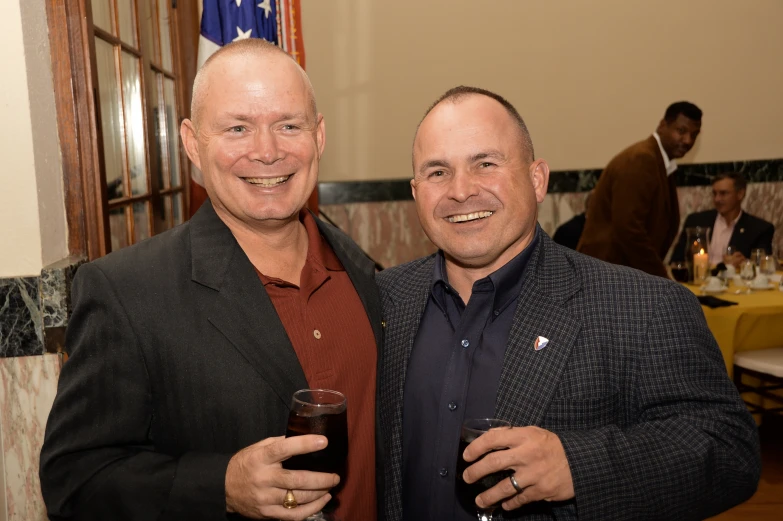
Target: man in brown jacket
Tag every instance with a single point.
(634, 213)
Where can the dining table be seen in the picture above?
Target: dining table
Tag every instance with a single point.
(756, 322)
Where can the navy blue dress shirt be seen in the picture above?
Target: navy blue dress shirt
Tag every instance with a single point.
(453, 375)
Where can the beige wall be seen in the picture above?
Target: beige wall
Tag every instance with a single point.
(590, 77)
(32, 212)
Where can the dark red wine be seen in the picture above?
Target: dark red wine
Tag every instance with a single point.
(466, 493)
(680, 274)
(332, 458)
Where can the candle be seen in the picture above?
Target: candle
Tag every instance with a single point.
(701, 266)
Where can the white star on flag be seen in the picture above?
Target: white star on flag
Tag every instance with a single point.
(266, 5)
(242, 35)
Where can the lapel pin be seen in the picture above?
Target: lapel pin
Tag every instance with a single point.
(383, 324)
(541, 343)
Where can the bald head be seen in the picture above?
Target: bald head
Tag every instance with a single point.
(461, 93)
(251, 48)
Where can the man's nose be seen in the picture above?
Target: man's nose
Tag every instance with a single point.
(266, 148)
(463, 186)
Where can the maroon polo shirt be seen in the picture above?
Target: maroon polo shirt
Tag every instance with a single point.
(331, 334)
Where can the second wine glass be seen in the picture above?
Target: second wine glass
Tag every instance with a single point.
(467, 492)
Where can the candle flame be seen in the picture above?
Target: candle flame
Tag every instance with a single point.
(701, 251)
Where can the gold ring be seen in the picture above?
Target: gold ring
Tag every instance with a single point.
(290, 501)
(515, 484)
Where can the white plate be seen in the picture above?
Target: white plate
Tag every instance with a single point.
(761, 288)
(712, 291)
(775, 278)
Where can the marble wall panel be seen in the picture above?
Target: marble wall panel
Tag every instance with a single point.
(390, 231)
(28, 385)
(21, 325)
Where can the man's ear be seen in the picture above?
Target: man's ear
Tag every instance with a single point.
(320, 135)
(413, 188)
(539, 176)
(187, 131)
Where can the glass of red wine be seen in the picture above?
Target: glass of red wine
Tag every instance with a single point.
(467, 492)
(324, 412)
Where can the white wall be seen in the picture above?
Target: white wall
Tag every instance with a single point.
(32, 212)
(590, 77)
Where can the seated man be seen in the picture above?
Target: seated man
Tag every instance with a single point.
(730, 225)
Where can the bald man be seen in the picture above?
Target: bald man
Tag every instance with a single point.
(185, 350)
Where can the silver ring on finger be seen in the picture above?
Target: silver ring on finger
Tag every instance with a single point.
(514, 484)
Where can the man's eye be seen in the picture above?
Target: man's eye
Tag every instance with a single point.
(237, 129)
(486, 164)
(290, 127)
(436, 173)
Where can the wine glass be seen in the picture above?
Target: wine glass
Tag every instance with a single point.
(768, 265)
(756, 255)
(680, 271)
(324, 412)
(467, 492)
(748, 273)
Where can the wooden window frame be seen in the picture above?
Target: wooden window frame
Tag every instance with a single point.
(72, 44)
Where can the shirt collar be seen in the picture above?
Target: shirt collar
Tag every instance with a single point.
(506, 281)
(318, 250)
(670, 164)
(732, 223)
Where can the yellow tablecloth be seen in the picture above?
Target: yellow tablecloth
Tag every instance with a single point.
(756, 323)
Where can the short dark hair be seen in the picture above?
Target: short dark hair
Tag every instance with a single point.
(457, 93)
(686, 108)
(740, 183)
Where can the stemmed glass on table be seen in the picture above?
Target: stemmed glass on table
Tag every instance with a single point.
(324, 412)
(748, 273)
(467, 492)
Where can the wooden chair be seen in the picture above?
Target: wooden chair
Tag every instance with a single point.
(766, 366)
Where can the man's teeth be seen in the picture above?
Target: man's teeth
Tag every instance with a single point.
(273, 181)
(469, 217)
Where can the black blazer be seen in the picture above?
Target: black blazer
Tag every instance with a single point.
(177, 360)
(750, 232)
(632, 381)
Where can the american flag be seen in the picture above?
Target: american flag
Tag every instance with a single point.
(226, 21)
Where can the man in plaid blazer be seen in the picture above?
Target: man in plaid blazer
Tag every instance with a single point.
(618, 395)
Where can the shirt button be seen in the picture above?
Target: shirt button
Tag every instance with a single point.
(452, 406)
(465, 342)
(317, 334)
(497, 312)
(443, 472)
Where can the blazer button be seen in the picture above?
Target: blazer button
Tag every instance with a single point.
(317, 334)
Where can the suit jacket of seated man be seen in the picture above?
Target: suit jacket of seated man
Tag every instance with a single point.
(749, 233)
(634, 212)
(178, 360)
(632, 381)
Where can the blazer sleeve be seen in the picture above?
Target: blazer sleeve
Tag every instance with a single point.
(635, 193)
(765, 238)
(98, 460)
(690, 448)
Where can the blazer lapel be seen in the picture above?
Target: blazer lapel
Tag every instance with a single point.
(530, 377)
(239, 307)
(360, 270)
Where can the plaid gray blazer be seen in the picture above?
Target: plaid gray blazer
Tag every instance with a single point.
(632, 381)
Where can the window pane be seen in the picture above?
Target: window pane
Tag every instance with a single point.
(134, 123)
(172, 130)
(118, 225)
(102, 14)
(161, 162)
(177, 210)
(111, 125)
(127, 21)
(148, 30)
(162, 213)
(165, 35)
(141, 221)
